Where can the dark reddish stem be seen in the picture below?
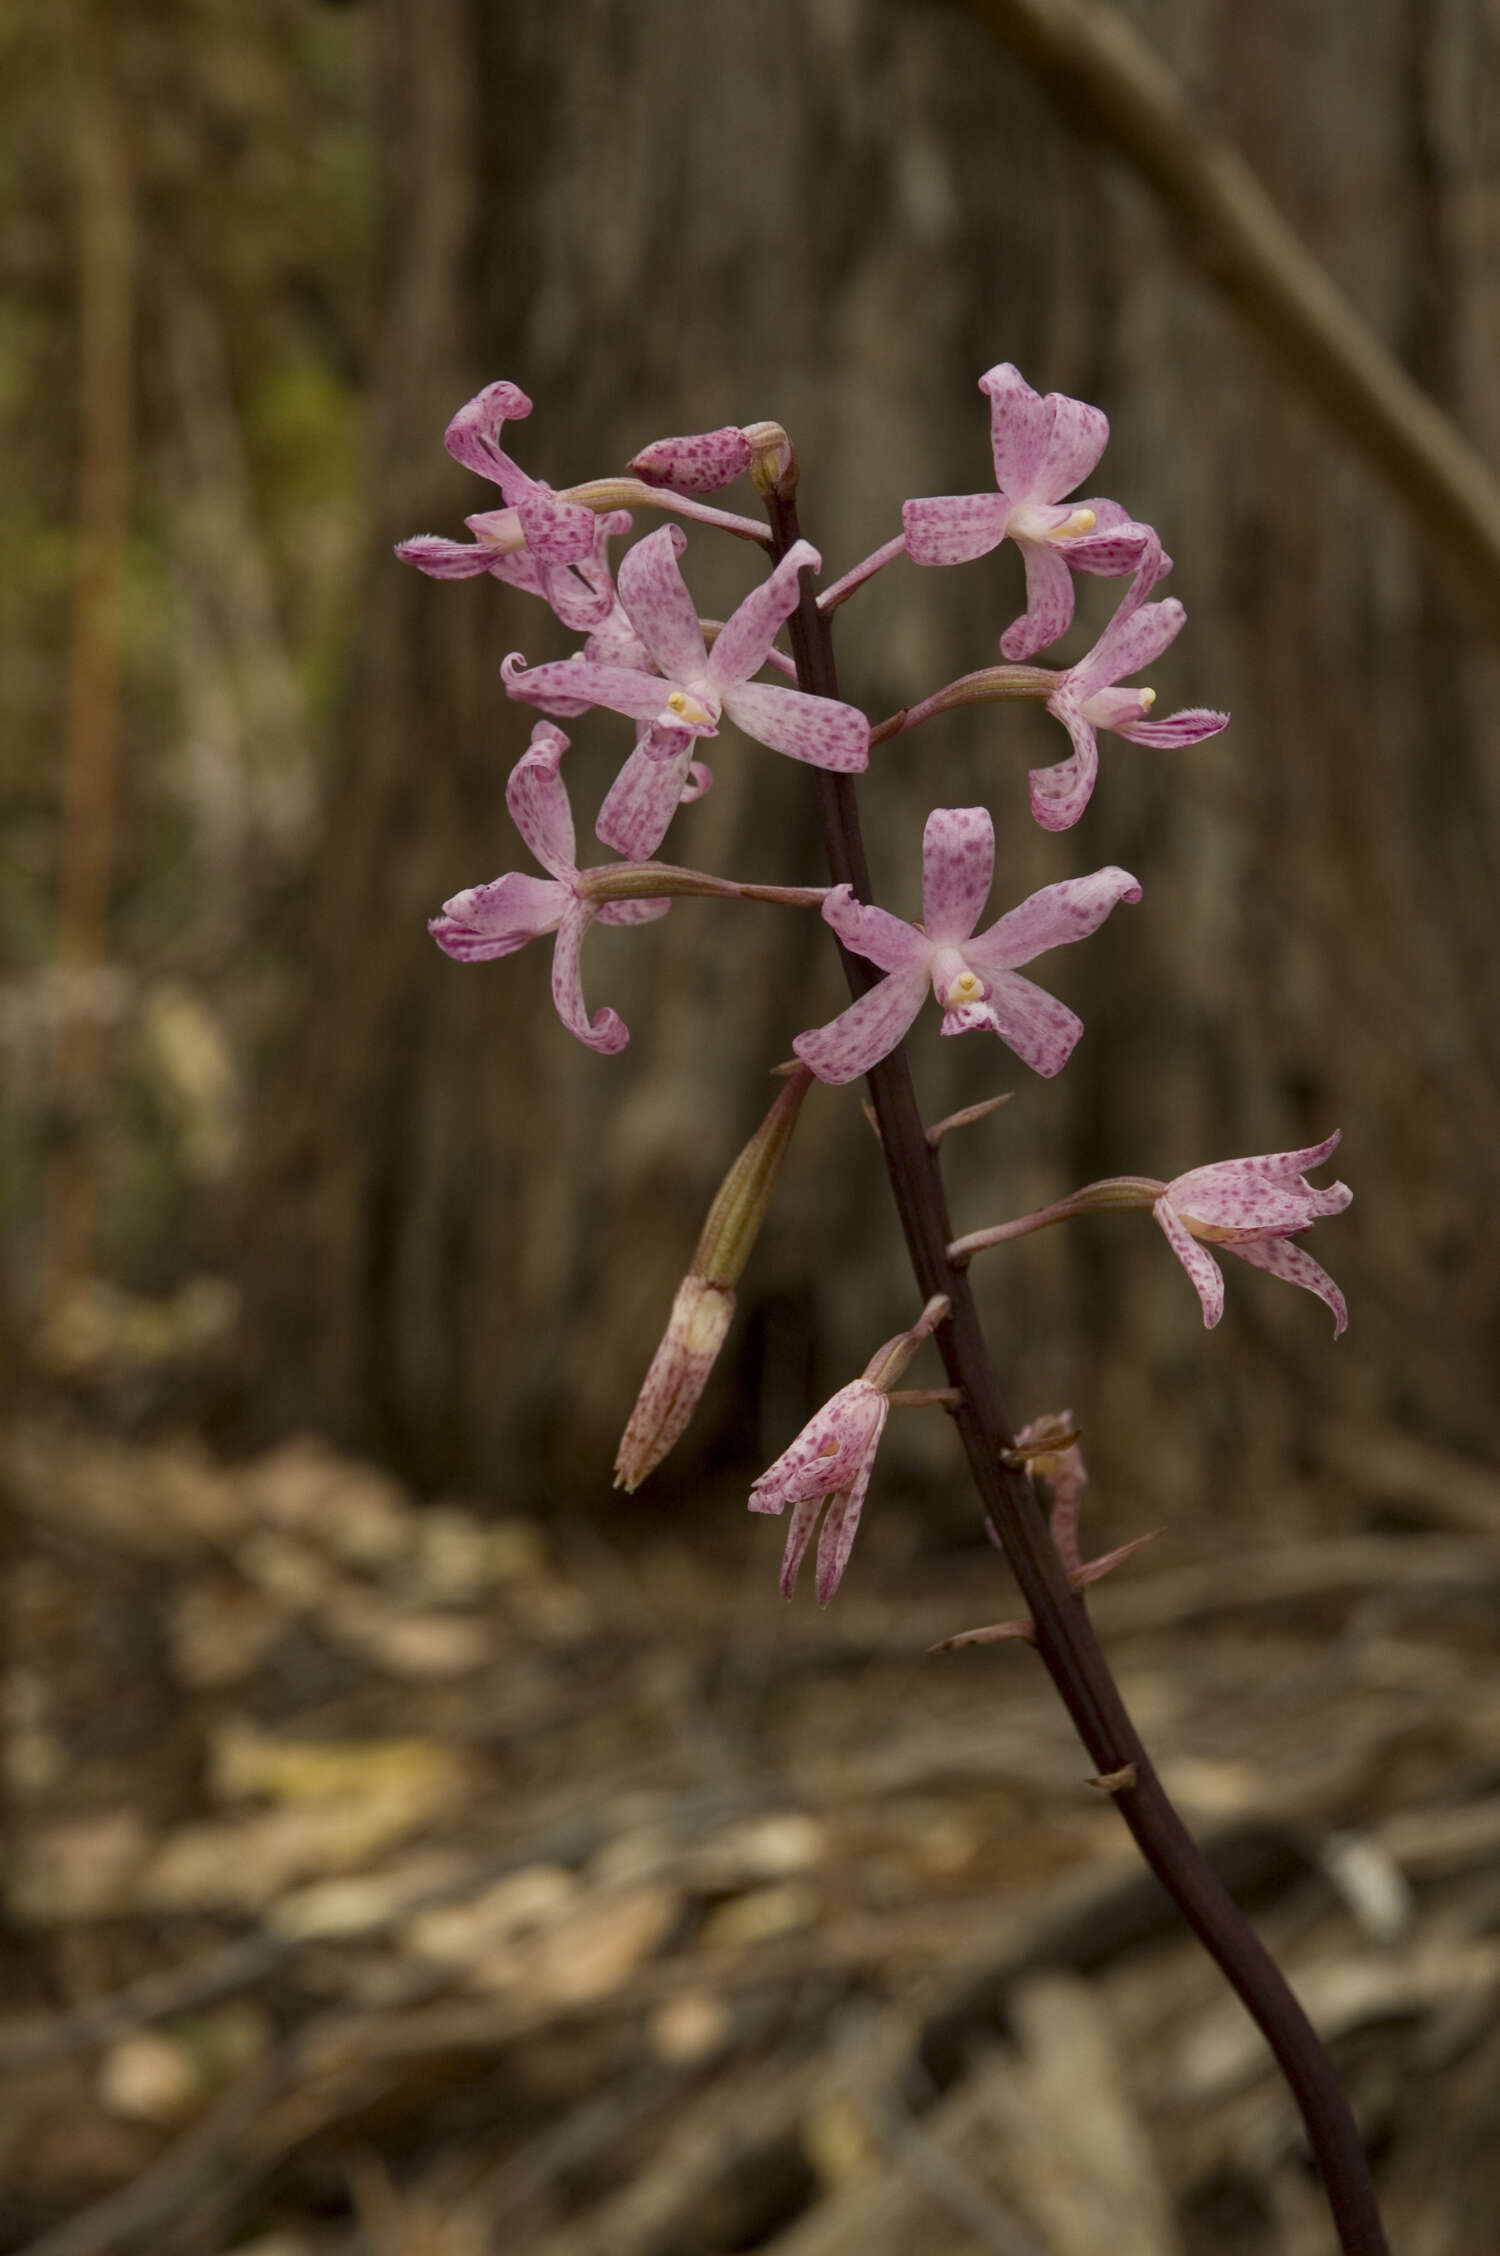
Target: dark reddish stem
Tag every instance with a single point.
(1063, 1633)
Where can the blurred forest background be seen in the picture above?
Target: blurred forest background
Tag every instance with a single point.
(263, 1143)
(274, 1167)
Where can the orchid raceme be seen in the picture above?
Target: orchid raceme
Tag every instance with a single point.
(973, 977)
(496, 919)
(1042, 449)
(1252, 1207)
(693, 687)
(832, 1460)
(538, 542)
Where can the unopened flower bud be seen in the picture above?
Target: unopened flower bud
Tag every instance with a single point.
(701, 1315)
(704, 1306)
(698, 463)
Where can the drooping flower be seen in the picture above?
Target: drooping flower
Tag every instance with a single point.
(973, 976)
(496, 919)
(1043, 448)
(1255, 1208)
(694, 687)
(1085, 700)
(544, 545)
(832, 1459)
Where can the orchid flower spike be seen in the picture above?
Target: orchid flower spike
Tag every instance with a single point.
(1255, 1208)
(833, 1458)
(497, 919)
(974, 979)
(1042, 449)
(693, 688)
(1086, 700)
(548, 547)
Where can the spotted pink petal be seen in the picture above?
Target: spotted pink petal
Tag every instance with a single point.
(656, 600)
(445, 559)
(473, 436)
(1117, 543)
(1287, 1260)
(958, 865)
(557, 532)
(954, 528)
(580, 594)
(1020, 427)
(1059, 794)
(885, 939)
(1250, 1204)
(1266, 1194)
(538, 801)
(743, 642)
(1131, 642)
(606, 1031)
(798, 1535)
(1207, 1276)
(614, 642)
(1078, 436)
(1049, 603)
(572, 685)
(700, 778)
(1289, 1166)
(840, 1526)
(1042, 1031)
(1190, 726)
(867, 1031)
(818, 730)
(1067, 911)
(645, 795)
(487, 921)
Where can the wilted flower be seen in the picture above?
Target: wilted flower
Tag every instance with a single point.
(974, 979)
(704, 1306)
(833, 1458)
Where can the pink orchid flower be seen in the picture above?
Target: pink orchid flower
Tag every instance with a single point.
(973, 976)
(834, 1456)
(661, 774)
(1085, 699)
(1253, 1207)
(693, 687)
(497, 919)
(548, 547)
(1042, 449)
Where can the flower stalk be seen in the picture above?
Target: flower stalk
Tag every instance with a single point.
(1062, 1632)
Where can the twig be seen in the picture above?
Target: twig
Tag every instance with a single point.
(1114, 88)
